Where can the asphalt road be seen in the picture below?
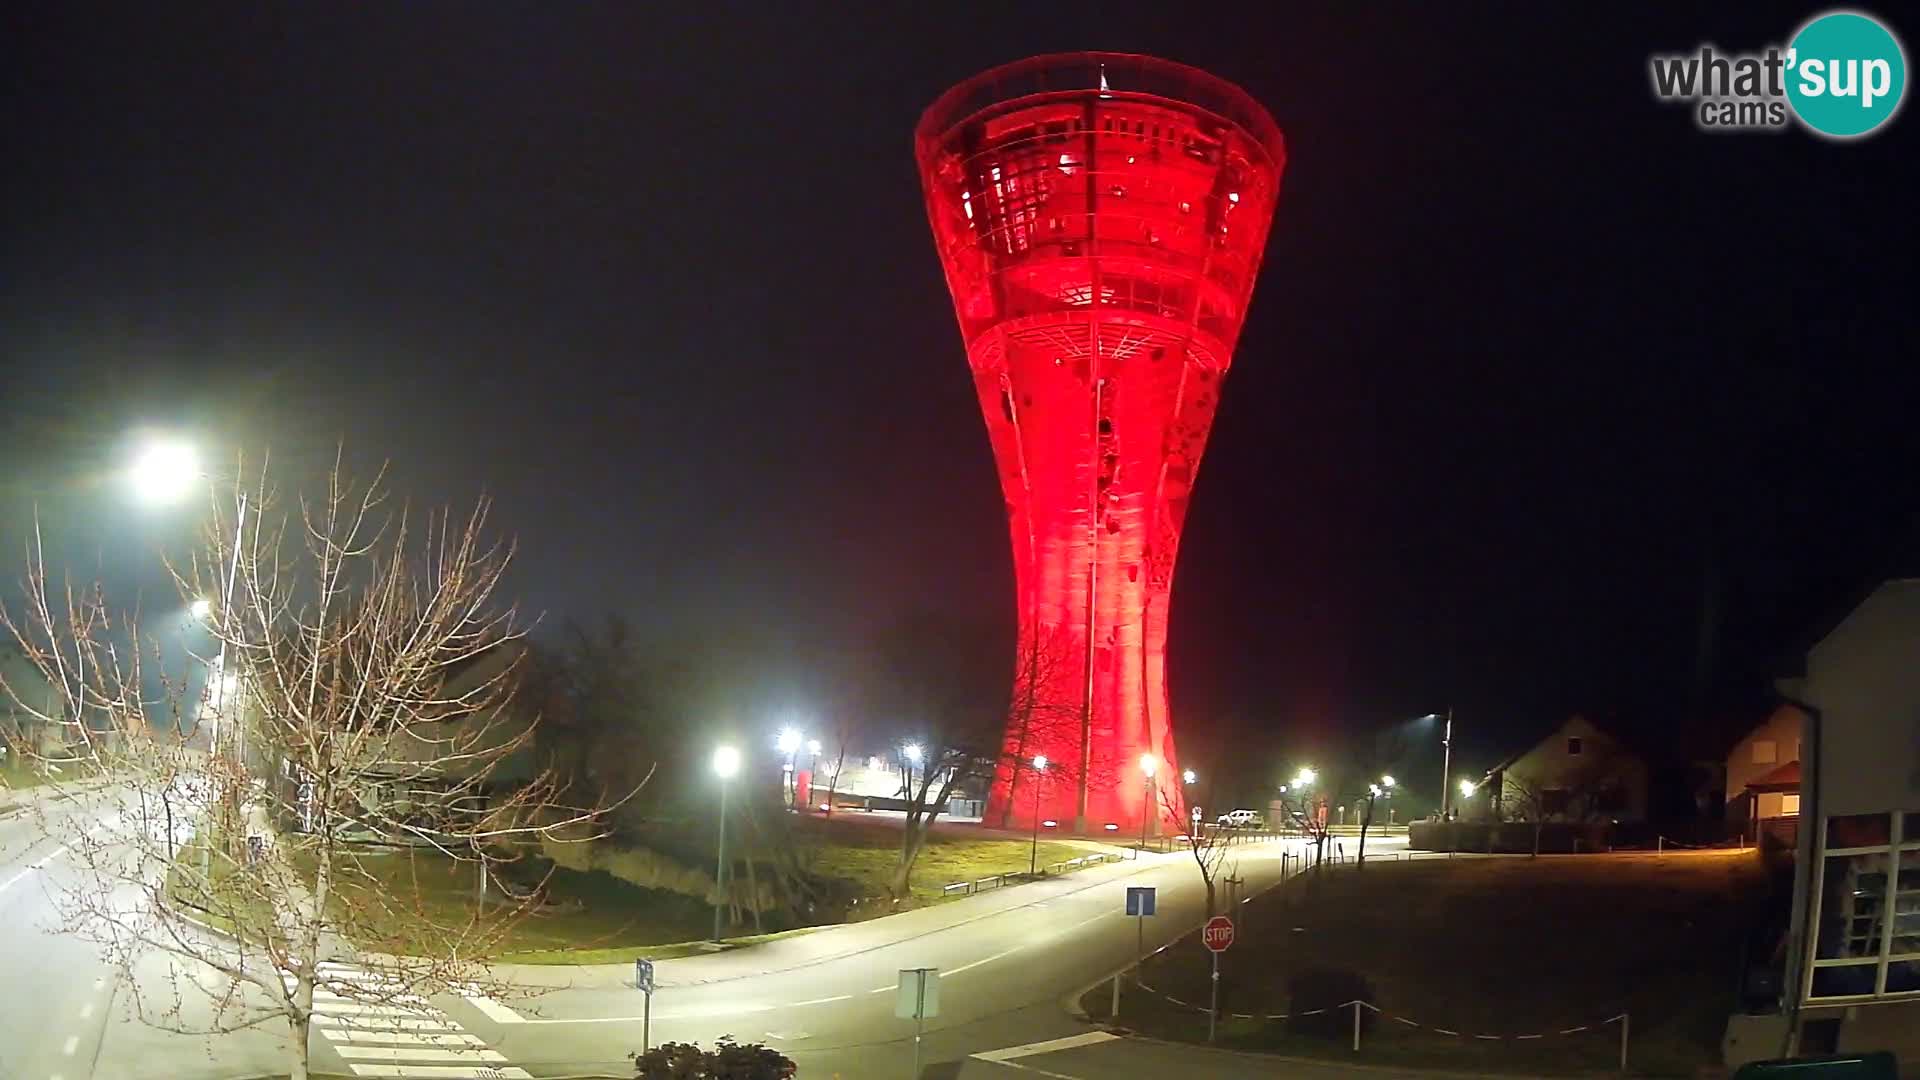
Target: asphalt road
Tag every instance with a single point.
(56, 996)
(1006, 961)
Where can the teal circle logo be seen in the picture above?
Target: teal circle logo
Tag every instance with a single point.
(1846, 74)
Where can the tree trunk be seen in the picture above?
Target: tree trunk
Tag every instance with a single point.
(1365, 824)
(1536, 840)
(833, 787)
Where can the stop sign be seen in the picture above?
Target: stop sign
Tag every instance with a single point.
(1218, 933)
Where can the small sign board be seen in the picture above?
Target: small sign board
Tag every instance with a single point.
(1139, 899)
(919, 994)
(643, 976)
(1218, 934)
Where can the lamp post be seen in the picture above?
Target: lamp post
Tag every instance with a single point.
(1148, 763)
(1039, 772)
(726, 762)
(164, 472)
(912, 753)
(789, 744)
(1446, 757)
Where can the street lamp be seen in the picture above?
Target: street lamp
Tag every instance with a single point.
(788, 743)
(1467, 788)
(1446, 757)
(1039, 773)
(1306, 777)
(1189, 776)
(1386, 781)
(163, 473)
(912, 753)
(1148, 764)
(726, 762)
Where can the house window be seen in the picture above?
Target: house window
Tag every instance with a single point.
(1765, 751)
(1867, 922)
(1789, 805)
(1573, 746)
(1554, 801)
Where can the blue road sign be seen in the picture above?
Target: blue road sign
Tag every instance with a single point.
(643, 976)
(1139, 899)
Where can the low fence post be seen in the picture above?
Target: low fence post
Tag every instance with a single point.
(1356, 1026)
(1113, 1011)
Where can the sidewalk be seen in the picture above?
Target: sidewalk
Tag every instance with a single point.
(832, 943)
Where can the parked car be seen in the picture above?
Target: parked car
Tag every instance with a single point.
(1243, 819)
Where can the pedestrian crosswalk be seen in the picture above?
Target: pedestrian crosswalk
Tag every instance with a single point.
(399, 1036)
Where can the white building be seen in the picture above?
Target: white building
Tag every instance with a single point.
(1853, 969)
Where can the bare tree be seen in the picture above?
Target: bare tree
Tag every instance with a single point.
(1037, 714)
(1528, 799)
(1208, 845)
(364, 696)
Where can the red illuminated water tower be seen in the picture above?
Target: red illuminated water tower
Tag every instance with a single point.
(1101, 219)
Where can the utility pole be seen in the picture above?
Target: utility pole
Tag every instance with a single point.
(1446, 766)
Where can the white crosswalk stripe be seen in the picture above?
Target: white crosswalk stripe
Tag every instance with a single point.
(398, 1036)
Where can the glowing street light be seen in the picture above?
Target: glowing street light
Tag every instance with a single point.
(788, 742)
(200, 609)
(165, 471)
(1467, 788)
(913, 752)
(1189, 776)
(1033, 854)
(1305, 777)
(813, 747)
(1148, 766)
(726, 762)
(1386, 781)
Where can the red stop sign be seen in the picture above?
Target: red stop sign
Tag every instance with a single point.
(1218, 933)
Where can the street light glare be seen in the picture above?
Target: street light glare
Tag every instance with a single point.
(912, 750)
(789, 741)
(1039, 763)
(726, 762)
(1306, 778)
(164, 471)
(1467, 788)
(1386, 781)
(1148, 763)
(813, 746)
(1189, 776)
(200, 609)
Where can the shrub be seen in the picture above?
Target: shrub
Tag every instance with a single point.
(728, 1060)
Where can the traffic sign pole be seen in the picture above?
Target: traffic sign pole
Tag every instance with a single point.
(1213, 1006)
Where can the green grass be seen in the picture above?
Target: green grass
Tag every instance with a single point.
(595, 918)
(226, 905)
(864, 853)
(1497, 946)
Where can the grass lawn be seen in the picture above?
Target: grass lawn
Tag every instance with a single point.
(864, 853)
(1481, 946)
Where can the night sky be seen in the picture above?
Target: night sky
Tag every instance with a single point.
(1534, 371)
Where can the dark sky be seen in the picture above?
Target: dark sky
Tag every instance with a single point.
(1532, 362)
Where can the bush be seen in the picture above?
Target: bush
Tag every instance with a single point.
(728, 1060)
(1327, 989)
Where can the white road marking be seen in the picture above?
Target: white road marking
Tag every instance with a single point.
(72, 1044)
(450, 1072)
(442, 1039)
(1088, 1038)
(385, 1023)
(984, 960)
(823, 1001)
(494, 1011)
(398, 1054)
(48, 857)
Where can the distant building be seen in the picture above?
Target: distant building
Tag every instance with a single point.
(1853, 956)
(1578, 773)
(1763, 776)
